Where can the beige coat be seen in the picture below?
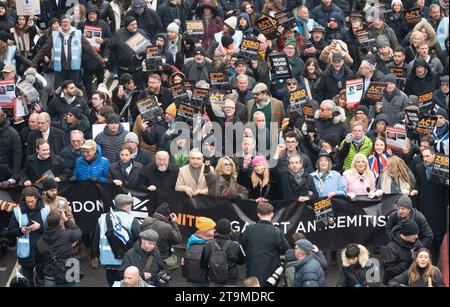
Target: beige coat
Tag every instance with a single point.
(186, 180)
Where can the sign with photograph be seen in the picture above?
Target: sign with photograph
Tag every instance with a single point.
(354, 91)
(7, 91)
(25, 7)
(138, 43)
(396, 138)
(91, 33)
(280, 66)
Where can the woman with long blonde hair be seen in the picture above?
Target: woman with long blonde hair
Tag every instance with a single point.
(260, 186)
(359, 179)
(421, 273)
(396, 177)
(223, 181)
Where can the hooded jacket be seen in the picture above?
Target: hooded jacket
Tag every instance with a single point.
(57, 242)
(335, 125)
(110, 143)
(355, 275)
(416, 85)
(83, 125)
(247, 32)
(322, 14)
(59, 106)
(372, 134)
(309, 273)
(148, 21)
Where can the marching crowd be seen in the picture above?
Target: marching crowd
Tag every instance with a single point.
(320, 147)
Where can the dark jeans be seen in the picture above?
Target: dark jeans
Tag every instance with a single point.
(61, 76)
(49, 282)
(112, 276)
(436, 248)
(28, 272)
(88, 76)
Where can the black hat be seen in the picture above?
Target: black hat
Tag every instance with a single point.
(164, 209)
(352, 250)
(371, 59)
(317, 28)
(324, 153)
(404, 202)
(226, 40)
(52, 21)
(128, 20)
(239, 61)
(112, 118)
(442, 112)
(199, 50)
(331, 139)
(223, 226)
(409, 227)
(48, 184)
(91, 8)
(76, 111)
(3, 4)
(363, 109)
(390, 78)
(337, 56)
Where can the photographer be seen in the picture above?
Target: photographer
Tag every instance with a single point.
(308, 272)
(148, 260)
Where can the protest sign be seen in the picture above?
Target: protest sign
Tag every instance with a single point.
(396, 138)
(28, 90)
(28, 7)
(138, 43)
(280, 66)
(268, 26)
(286, 20)
(185, 112)
(194, 30)
(440, 169)
(199, 95)
(219, 80)
(150, 110)
(91, 33)
(296, 99)
(426, 124)
(412, 16)
(7, 91)
(425, 100)
(354, 91)
(375, 92)
(249, 49)
(153, 61)
(323, 211)
(413, 119)
(179, 92)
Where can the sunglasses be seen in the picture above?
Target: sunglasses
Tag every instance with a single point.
(291, 83)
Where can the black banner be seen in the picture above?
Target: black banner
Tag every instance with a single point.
(329, 225)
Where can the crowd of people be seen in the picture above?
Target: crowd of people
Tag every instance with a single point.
(246, 138)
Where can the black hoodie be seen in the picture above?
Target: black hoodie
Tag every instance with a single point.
(416, 85)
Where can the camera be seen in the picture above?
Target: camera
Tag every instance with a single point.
(308, 45)
(275, 277)
(164, 276)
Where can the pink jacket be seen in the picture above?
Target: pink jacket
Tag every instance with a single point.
(359, 184)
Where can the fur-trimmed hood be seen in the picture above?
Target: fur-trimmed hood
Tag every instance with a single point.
(424, 24)
(338, 115)
(79, 92)
(363, 256)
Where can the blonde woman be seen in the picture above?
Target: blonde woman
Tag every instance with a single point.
(421, 273)
(396, 177)
(223, 182)
(359, 179)
(411, 51)
(259, 186)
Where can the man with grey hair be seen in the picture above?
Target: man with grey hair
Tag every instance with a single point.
(160, 174)
(369, 73)
(330, 120)
(55, 137)
(243, 89)
(105, 242)
(72, 152)
(191, 178)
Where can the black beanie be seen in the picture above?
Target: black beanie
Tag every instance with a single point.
(409, 227)
(76, 111)
(226, 40)
(164, 209)
(128, 20)
(223, 226)
(363, 109)
(442, 112)
(48, 184)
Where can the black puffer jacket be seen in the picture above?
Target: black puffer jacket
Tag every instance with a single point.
(110, 143)
(398, 256)
(416, 85)
(168, 12)
(329, 87)
(10, 148)
(355, 275)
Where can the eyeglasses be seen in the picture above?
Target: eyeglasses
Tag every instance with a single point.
(291, 83)
(228, 107)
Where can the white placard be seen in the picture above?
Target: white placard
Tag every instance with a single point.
(25, 7)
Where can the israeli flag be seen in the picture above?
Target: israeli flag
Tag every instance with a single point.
(119, 230)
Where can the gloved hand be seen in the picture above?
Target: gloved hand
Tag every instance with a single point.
(351, 195)
(379, 193)
(5, 184)
(371, 194)
(349, 138)
(406, 192)
(73, 178)
(304, 129)
(94, 179)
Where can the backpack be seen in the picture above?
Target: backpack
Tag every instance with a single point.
(218, 262)
(117, 246)
(191, 268)
(58, 266)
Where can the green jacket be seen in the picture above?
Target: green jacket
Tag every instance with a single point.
(348, 151)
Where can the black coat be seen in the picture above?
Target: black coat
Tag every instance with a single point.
(144, 157)
(132, 178)
(403, 279)
(168, 231)
(164, 97)
(149, 22)
(234, 254)
(169, 12)
(10, 148)
(57, 140)
(88, 62)
(425, 232)
(397, 257)
(161, 180)
(292, 190)
(417, 86)
(105, 12)
(138, 257)
(329, 87)
(31, 170)
(58, 108)
(432, 201)
(14, 231)
(58, 242)
(263, 245)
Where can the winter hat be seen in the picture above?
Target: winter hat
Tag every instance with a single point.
(223, 226)
(128, 20)
(149, 235)
(290, 42)
(317, 28)
(138, 3)
(173, 27)
(131, 137)
(75, 111)
(331, 139)
(204, 224)
(48, 184)
(413, 100)
(336, 16)
(122, 199)
(112, 119)
(442, 112)
(226, 40)
(231, 22)
(409, 227)
(164, 209)
(259, 160)
(91, 8)
(404, 202)
(371, 59)
(52, 21)
(363, 109)
(3, 5)
(382, 41)
(172, 110)
(391, 79)
(200, 50)
(352, 250)
(305, 245)
(444, 78)
(396, 2)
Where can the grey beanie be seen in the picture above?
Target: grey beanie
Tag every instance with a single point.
(122, 199)
(305, 245)
(149, 235)
(404, 202)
